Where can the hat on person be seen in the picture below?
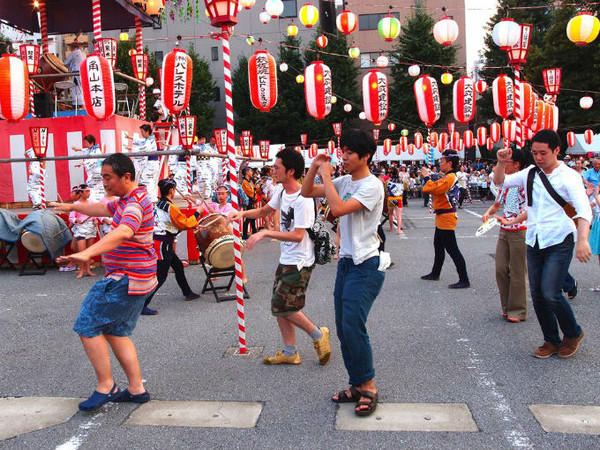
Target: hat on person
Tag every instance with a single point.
(76, 188)
(84, 187)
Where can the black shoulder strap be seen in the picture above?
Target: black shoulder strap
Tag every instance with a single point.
(546, 182)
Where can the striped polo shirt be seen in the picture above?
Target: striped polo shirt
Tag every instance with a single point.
(135, 257)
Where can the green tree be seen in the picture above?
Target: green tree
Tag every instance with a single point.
(203, 87)
(4, 44)
(416, 45)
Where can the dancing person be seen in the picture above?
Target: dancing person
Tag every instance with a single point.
(169, 222)
(113, 305)
(395, 191)
(93, 167)
(551, 236)
(296, 261)
(249, 189)
(511, 250)
(357, 199)
(34, 179)
(594, 194)
(445, 193)
(84, 230)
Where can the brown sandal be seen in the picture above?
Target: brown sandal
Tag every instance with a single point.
(342, 397)
(371, 404)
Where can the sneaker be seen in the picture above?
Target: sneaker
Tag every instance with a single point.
(280, 358)
(192, 296)
(569, 346)
(149, 312)
(546, 350)
(323, 347)
(430, 277)
(460, 285)
(573, 292)
(185, 263)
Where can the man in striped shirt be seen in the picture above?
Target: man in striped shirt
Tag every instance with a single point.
(113, 305)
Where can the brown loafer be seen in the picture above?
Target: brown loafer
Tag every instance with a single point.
(546, 350)
(569, 346)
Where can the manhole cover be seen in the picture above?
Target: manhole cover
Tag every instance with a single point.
(251, 352)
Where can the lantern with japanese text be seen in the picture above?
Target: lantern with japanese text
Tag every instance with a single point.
(337, 129)
(427, 96)
(330, 147)
(139, 62)
(418, 138)
(552, 79)
(246, 145)
(262, 77)
(433, 139)
(588, 135)
(222, 13)
(376, 134)
(264, 147)
(309, 15)
(571, 141)
(176, 80)
(495, 131)
(481, 135)
(346, 22)
(318, 89)
(481, 86)
(98, 87)
(221, 140)
(464, 99)
(388, 27)
(187, 131)
(107, 48)
(443, 141)
(313, 150)
(502, 89)
(30, 54)
(583, 28)
(387, 146)
(517, 53)
(468, 138)
(375, 96)
(303, 139)
(445, 31)
(39, 141)
(14, 88)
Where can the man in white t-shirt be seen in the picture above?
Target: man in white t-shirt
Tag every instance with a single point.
(357, 199)
(297, 260)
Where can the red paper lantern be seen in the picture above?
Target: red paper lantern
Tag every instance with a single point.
(509, 130)
(222, 13)
(375, 96)
(481, 86)
(588, 136)
(139, 62)
(433, 139)
(502, 89)
(176, 80)
(337, 129)
(322, 41)
(98, 87)
(553, 123)
(221, 137)
(107, 48)
(318, 89)
(391, 127)
(14, 88)
(39, 140)
(490, 144)
(30, 54)
(264, 147)
(330, 147)
(481, 134)
(418, 140)
(313, 150)
(403, 143)
(552, 79)
(528, 133)
(303, 139)
(571, 141)
(187, 131)
(451, 127)
(387, 146)
(536, 120)
(411, 149)
(517, 54)
(262, 77)
(246, 145)
(455, 140)
(495, 130)
(427, 96)
(468, 138)
(376, 134)
(346, 22)
(464, 99)
(443, 141)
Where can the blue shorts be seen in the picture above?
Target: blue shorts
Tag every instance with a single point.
(109, 309)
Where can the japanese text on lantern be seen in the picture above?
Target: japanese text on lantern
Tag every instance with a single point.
(179, 79)
(327, 86)
(468, 93)
(96, 88)
(437, 106)
(262, 78)
(382, 95)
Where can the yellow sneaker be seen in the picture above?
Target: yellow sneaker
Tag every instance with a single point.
(323, 347)
(280, 358)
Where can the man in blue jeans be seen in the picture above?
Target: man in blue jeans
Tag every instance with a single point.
(551, 236)
(357, 199)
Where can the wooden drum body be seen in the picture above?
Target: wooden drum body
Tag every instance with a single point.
(215, 241)
(49, 65)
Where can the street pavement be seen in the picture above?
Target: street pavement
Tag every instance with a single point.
(446, 361)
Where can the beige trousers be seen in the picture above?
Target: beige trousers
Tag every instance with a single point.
(511, 273)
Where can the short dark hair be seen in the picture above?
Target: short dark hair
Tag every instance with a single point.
(147, 128)
(549, 137)
(452, 157)
(291, 159)
(359, 141)
(120, 164)
(90, 138)
(522, 157)
(165, 185)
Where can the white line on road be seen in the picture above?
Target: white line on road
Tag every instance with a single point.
(472, 212)
(75, 442)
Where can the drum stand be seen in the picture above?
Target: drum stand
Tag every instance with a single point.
(5, 250)
(40, 264)
(209, 286)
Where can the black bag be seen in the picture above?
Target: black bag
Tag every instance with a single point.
(324, 245)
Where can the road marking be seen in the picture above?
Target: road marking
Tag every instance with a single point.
(25, 414)
(197, 414)
(472, 212)
(75, 441)
(575, 419)
(513, 431)
(433, 417)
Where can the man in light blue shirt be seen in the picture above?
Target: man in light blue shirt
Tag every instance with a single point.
(591, 176)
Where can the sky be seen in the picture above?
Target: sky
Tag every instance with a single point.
(478, 13)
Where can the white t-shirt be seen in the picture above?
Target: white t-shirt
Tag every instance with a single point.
(359, 230)
(296, 212)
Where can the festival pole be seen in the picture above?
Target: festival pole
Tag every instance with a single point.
(44, 26)
(43, 183)
(518, 108)
(97, 19)
(139, 48)
(188, 166)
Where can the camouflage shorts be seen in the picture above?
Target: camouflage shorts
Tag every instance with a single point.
(289, 289)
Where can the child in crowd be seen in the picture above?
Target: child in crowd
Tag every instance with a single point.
(84, 230)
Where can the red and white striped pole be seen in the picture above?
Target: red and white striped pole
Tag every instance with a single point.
(44, 26)
(139, 48)
(188, 166)
(43, 183)
(518, 108)
(237, 244)
(31, 102)
(97, 19)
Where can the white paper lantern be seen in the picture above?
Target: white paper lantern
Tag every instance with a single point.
(586, 102)
(274, 8)
(414, 70)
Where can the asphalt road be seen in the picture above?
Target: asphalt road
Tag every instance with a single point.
(431, 345)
